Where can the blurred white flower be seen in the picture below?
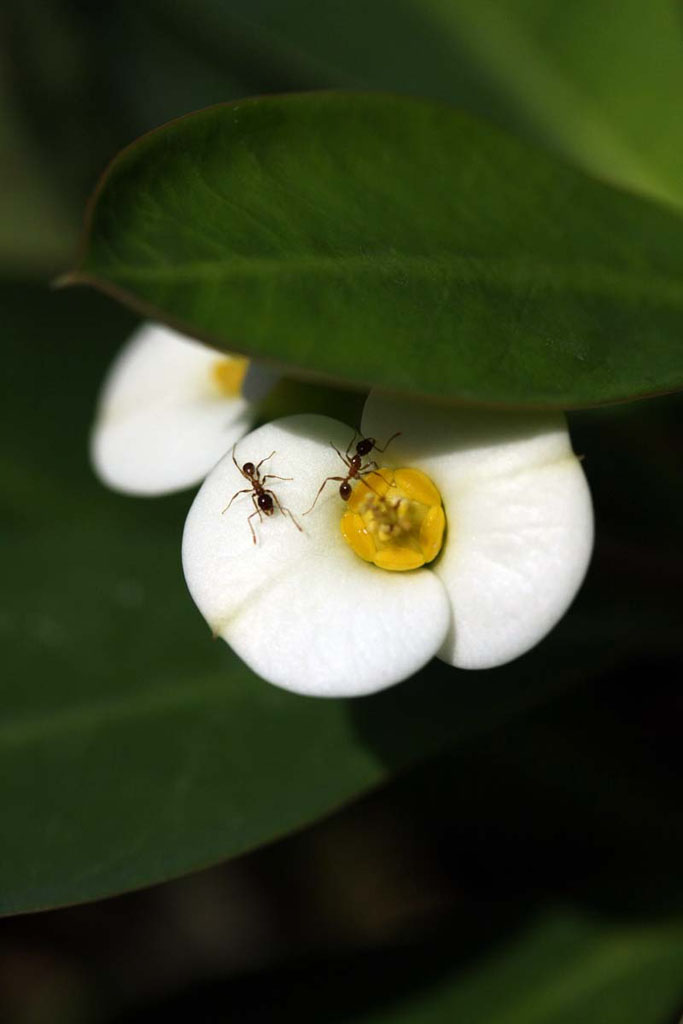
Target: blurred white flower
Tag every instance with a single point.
(314, 613)
(170, 407)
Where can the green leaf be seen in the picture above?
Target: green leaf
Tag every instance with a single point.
(593, 79)
(562, 969)
(133, 748)
(389, 242)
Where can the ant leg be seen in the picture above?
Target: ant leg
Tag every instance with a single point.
(377, 447)
(249, 519)
(256, 512)
(264, 460)
(345, 460)
(237, 465)
(285, 511)
(350, 444)
(366, 471)
(244, 491)
(326, 481)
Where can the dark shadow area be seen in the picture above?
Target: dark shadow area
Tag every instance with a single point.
(578, 805)
(579, 802)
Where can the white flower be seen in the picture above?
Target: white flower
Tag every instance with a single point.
(170, 407)
(306, 613)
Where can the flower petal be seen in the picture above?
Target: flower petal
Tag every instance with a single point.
(301, 608)
(161, 423)
(519, 519)
(521, 549)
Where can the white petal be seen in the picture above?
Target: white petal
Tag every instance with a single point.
(302, 609)
(520, 550)
(161, 424)
(462, 445)
(520, 520)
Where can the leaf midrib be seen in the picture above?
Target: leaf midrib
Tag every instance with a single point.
(579, 276)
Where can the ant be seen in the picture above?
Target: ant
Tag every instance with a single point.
(354, 463)
(264, 499)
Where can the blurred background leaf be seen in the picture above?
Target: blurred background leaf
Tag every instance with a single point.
(560, 969)
(593, 80)
(37, 229)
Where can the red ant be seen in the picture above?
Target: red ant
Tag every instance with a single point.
(355, 465)
(264, 499)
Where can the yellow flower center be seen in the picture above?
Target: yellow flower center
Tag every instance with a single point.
(227, 375)
(395, 519)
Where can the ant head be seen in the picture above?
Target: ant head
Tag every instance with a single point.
(345, 491)
(355, 461)
(248, 469)
(365, 445)
(265, 503)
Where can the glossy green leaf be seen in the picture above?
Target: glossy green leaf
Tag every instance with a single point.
(391, 242)
(134, 748)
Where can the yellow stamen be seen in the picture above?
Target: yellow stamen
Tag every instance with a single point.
(395, 519)
(228, 373)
